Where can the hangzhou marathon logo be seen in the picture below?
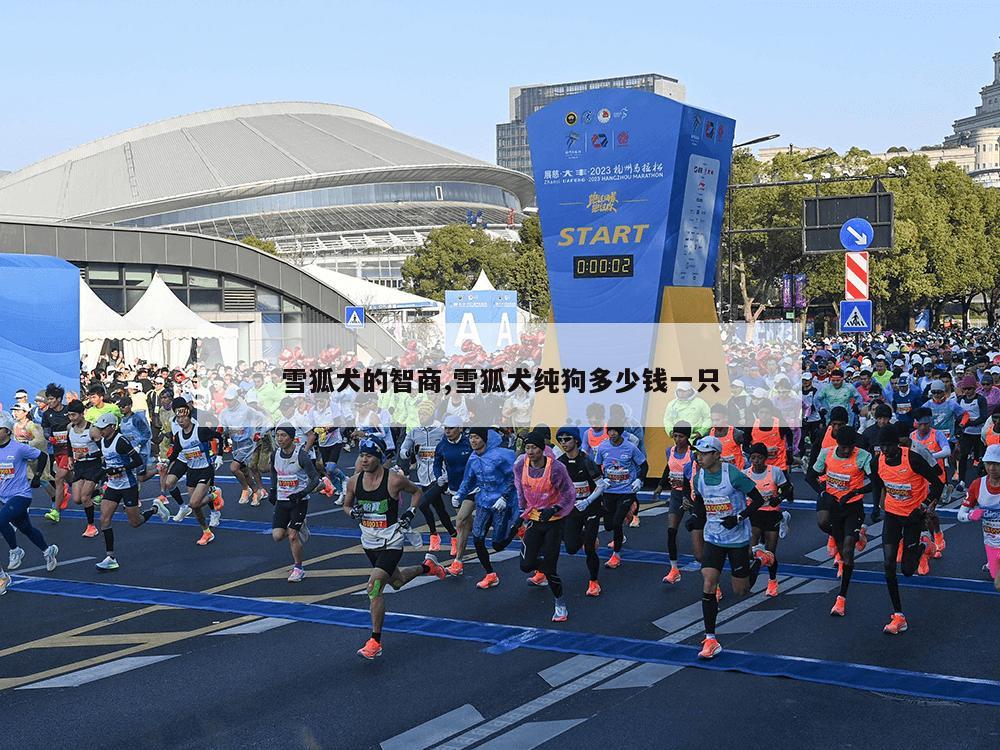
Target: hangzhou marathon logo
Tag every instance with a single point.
(602, 203)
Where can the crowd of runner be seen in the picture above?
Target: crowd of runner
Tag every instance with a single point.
(910, 421)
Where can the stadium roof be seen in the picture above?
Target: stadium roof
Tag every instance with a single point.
(233, 152)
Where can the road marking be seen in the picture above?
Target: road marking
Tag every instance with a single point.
(752, 621)
(439, 728)
(62, 563)
(570, 669)
(92, 674)
(324, 512)
(818, 586)
(530, 735)
(256, 626)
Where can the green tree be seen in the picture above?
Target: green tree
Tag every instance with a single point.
(265, 246)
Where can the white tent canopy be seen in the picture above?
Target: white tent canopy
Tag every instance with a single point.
(160, 308)
(98, 323)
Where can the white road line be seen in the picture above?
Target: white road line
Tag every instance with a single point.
(324, 512)
(530, 735)
(257, 626)
(437, 729)
(92, 674)
(62, 563)
(570, 669)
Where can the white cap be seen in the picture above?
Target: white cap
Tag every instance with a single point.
(707, 444)
(232, 392)
(995, 369)
(158, 380)
(897, 363)
(6, 421)
(992, 454)
(107, 419)
(807, 375)
(684, 386)
(759, 393)
(738, 383)
(134, 385)
(937, 385)
(451, 420)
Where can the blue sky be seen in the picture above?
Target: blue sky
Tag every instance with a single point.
(874, 74)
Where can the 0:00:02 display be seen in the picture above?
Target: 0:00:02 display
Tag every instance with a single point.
(602, 266)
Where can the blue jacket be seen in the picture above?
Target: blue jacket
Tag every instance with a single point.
(135, 429)
(492, 472)
(452, 457)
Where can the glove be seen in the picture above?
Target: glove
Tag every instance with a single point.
(582, 504)
(297, 497)
(357, 512)
(500, 505)
(442, 480)
(774, 502)
(730, 522)
(636, 485)
(407, 518)
(456, 501)
(976, 514)
(964, 513)
(546, 515)
(217, 462)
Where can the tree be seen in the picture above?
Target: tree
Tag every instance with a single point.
(265, 246)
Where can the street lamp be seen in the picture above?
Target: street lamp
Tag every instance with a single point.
(762, 139)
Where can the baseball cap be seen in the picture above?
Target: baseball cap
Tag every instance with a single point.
(134, 385)
(232, 392)
(451, 420)
(759, 393)
(107, 419)
(684, 386)
(904, 379)
(937, 385)
(6, 421)
(992, 454)
(708, 444)
(739, 383)
(18, 407)
(807, 376)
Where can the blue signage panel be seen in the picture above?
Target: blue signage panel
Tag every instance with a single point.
(856, 234)
(630, 189)
(354, 317)
(856, 316)
(484, 317)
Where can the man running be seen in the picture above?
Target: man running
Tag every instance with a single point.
(451, 456)
(420, 445)
(625, 468)
(940, 449)
(721, 495)
(120, 463)
(85, 463)
(581, 527)
(677, 476)
(293, 477)
(983, 504)
(191, 451)
(774, 486)
(55, 426)
(372, 499)
(15, 497)
(241, 424)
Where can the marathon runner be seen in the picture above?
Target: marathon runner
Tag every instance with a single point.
(372, 499)
(15, 498)
(191, 452)
(330, 441)
(983, 504)
(85, 463)
(55, 426)
(421, 444)
(293, 477)
(625, 468)
(969, 444)
(677, 477)
(120, 461)
(243, 426)
(451, 456)
(774, 486)
(940, 449)
(721, 492)
(134, 427)
(581, 527)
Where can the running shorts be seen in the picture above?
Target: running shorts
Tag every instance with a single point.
(766, 520)
(129, 496)
(289, 514)
(715, 557)
(385, 559)
(88, 471)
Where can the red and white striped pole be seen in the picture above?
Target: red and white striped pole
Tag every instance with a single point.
(855, 276)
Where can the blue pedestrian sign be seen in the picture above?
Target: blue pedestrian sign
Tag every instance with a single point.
(856, 316)
(354, 317)
(856, 234)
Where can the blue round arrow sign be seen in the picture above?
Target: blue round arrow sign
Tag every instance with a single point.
(856, 234)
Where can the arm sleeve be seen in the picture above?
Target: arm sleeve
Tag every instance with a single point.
(125, 448)
(309, 467)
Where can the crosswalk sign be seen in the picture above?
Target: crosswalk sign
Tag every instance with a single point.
(856, 316)
(354, 317)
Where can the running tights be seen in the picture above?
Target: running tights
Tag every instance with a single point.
(540, 551)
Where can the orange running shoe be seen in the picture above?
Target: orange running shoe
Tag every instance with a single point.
(489, 581)
(593, 589)
(924, 566)
(244, 497)
(435, 544)
(207, 537)
(862, 542)
(840, 569)
(839, 607)
(718, 593)
(766, 557)
(218, 503)
(831, 546)
(614, 561)
(939, 544)
(673, 576)
(456, 568)
(434, 568)
(538, 579)
(710, 648)
(899, 553)
(772, 587)
(327, 488)
(896, 625)
(371, 649)
(90, 532)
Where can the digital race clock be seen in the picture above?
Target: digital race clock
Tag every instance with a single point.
(603, 266)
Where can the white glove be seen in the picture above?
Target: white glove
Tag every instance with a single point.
(456, 501)
(500, 505)
(963, 513)
(403, 453)
(218, 462)
(636, 485)
(442, 480)
(582, 503)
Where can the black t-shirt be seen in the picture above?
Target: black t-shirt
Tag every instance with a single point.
(581, 469)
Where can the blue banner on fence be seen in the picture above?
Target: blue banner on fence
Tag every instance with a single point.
(484, 317)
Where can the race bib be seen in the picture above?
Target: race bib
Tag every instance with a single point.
(898, 490)
(718, 507)
(288, 485)
(80, 453)
(837, 481)
(903, 407)
(582, 488)
(61, 437)
(677, 480)
(618, 476)
(6, 470)
(425, 454)
(772, 451)
(192, 454)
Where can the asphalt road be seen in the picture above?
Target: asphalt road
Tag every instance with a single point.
(95, 660)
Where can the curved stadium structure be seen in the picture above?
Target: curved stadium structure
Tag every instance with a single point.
(324, 182)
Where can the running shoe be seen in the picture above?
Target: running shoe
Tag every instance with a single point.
(371, 650)
(207, 537)
(896, 625)
(214, 518)
(489, 581)
(244, 497)
(52, 515)
(593, 589)
(786, 522)
(924, 566)
(435, 543)
(561, 614)
(161, 510)
(91, 531)
(456, 568)
(50, 557)
(16, 555)
(634, 523)
(772, 587)
(264, 495)
(434, 568)
(296, 575)
(304, 532)
(4, 582)
(899, 553)
(939, 545)
(339, 500)
(65, 497)
(831, 546)
(718, 593)
(673, 576)
(538, 579)
(862, 542)
(218, 501)
(327, 488)
(184, 512)
(765, 556)
(959, 492)
(108, 563)
(454, 546)
(614, 561)
(255, 498)
(839, 607)
(414, 539)
(710, 648)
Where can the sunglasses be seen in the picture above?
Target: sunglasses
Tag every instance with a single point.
(564, 438)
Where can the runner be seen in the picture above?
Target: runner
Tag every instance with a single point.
(330, 441)
(421, 444)
(911, 487)
(241, 424)
(120, 461)
(191, 458)
(134, 427)
(15, 497)
(490, 468)
(85, 463)
(597, 432)
(721, 492)
(293, 477)
(546, 496)
(983, 504)
(55, 426)
(29, 432)
(732, 439)
(774, 486)
(840, 510)
(581, 527)
(451, 456)
(677, 476)
(96, 394)
(940, 449)
(625, 468)
(969, 444)
(372, 499)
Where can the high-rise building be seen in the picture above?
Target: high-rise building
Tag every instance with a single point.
(512, 138)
